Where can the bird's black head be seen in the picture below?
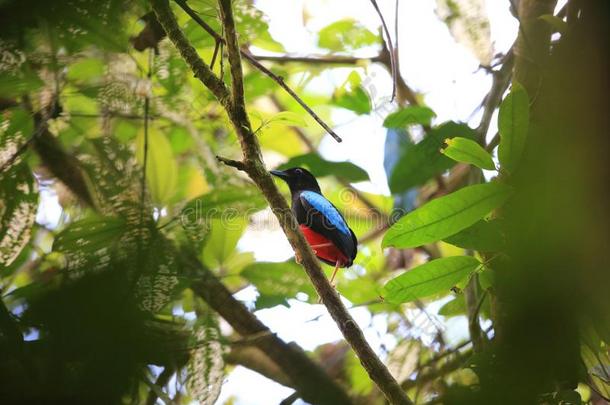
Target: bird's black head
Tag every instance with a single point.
(298, 179)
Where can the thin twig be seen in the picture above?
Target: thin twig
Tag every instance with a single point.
(391, 48)
(215, 54)
(254, 62)
(233, 163)
(316, 59)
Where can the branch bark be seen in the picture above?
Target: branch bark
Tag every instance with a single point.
(252, 159)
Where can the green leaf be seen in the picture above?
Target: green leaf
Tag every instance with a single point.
(352, 96)
(446, 215)
(430, 278)
(320, 167)
(468, 151)
(15, 85)
(408, 116)
(345, 35)
(513, 124)
(161, 168)
(455, 307)
(265, 41)
(86, 70)
(222, 240)
(421, 162)
(278, 279)
(555, 22)
(484, 236)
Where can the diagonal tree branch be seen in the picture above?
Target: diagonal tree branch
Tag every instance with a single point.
(255, 168)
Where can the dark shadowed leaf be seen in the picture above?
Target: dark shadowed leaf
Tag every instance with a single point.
(409, 116)
(446, 216)
(430, 278)
(484, 236)
(423, 161)
(321, 167)
(455, 307)
(513, 124)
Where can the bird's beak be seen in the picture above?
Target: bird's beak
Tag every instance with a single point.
(278, 173)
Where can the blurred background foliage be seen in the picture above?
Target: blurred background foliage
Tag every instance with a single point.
(106, 303)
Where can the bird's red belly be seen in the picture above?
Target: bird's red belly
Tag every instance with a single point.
(323, 247)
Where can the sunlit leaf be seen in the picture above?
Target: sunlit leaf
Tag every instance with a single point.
(161, 168)
(468, 151)
(345, 35)
(352, 96)
(220, 242)
(430, 278)
(513, 124)
(446, 215)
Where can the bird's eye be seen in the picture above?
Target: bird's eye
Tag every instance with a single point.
(298, 171)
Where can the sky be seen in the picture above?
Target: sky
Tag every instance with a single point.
(433, 64)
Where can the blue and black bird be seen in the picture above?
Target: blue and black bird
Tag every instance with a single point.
(324, 227)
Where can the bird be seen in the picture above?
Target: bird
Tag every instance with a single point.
(323, 226)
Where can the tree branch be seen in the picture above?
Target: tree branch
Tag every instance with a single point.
(254, 62)
(501, 79)
(258, 173)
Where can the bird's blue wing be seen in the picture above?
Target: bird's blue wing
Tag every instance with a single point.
(326, 208)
